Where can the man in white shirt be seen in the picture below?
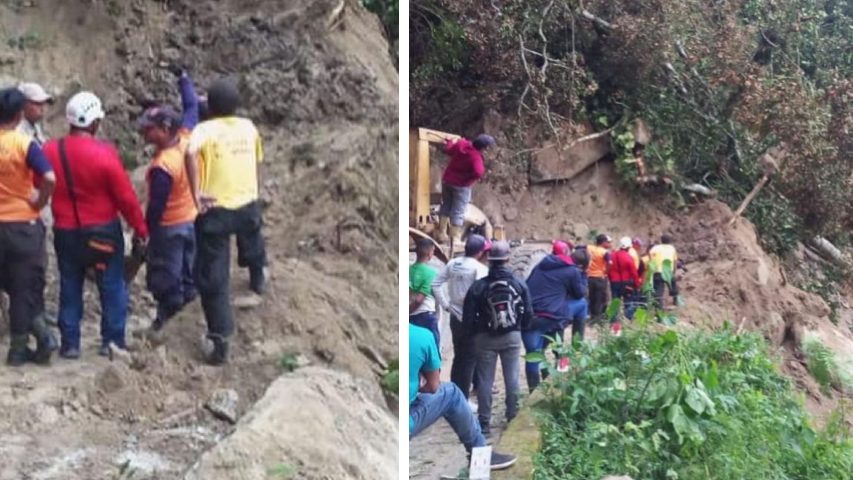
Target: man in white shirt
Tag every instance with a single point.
(458, 275)
(34, 111)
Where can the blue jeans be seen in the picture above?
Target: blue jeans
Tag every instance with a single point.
(448, 403)
(625, 291)
(429, 321)
(171, 253)
(69, 248)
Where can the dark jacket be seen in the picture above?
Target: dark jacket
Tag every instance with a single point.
(475, 312)
(553, 283)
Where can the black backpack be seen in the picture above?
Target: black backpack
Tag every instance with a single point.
(503, 300)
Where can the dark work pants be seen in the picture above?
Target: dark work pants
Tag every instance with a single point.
(597, 297)
(22, 270)
(171, 254)
(464, 356)
(658, 283)
(213, 259)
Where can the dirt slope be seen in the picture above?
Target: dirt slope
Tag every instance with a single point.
(323, 91)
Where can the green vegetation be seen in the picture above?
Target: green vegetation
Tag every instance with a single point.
(281, 471)
(824, 366)
(391, 378)
(288, 362)
(661, 405)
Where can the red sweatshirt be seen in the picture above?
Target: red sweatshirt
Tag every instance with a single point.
(466, 164)
(101, 185)
(623, 268)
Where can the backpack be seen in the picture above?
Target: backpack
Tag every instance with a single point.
(503, 301)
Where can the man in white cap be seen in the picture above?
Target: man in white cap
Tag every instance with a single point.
(34, 110)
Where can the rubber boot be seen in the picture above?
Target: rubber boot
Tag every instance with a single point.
(46, 342)
(456, 238)
(19, 352)
(441, 232)
(219, 355)
(257, 280)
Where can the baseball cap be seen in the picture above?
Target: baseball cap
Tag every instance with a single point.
(35, 93)
(476, 244)
(483, 141)
(637, 242)
(499, 251)
(602, 238)
(165, 117)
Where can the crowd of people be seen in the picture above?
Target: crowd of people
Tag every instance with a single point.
(495, 315)
(202, 189)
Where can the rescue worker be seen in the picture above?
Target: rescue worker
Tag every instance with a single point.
(498, 308)
(664, 253)
(599, 261)
(624, 282)
(449, 288)
(634, 251)
(171, 211)
(558, 300)
(34, 111)
(421, 299)
(23, 257)
(92, 188)
(465, 168)
(222, 166)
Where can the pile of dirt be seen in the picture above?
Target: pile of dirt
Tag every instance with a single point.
(317, 80)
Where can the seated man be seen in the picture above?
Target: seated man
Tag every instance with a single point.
(434, 400)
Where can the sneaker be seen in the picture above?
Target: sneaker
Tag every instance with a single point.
(616, 329)
(501, 461)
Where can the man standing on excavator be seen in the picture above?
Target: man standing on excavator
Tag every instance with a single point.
(464, 170)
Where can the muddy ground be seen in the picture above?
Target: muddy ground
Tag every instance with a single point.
(319, 83)
(729, 278)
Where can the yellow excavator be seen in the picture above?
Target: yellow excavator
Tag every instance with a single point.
(425, 194)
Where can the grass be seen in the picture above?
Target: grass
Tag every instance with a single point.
(824, 366)
(660, 405)
(288, 362)
(391, 378)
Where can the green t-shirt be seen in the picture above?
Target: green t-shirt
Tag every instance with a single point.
(421, 276)
(423, 357)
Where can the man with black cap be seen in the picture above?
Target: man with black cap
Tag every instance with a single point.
(465, 168)
(171, 210)
(498, 308)
(449, 288)
(22, 234)
(34, 111)
(222, 167)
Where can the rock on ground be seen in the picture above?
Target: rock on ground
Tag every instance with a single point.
(223, 404)
(333, 409)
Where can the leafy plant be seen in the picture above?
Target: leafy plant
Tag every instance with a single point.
(281, 471)
(288, 362)
(391, 378)
(824, 367)
(389, 12)
(654, 404)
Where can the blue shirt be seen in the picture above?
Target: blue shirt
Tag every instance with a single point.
(423, 358)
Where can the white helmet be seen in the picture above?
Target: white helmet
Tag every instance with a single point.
(625, 243)
(83, 109)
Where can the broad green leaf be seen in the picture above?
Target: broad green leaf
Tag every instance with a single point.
(669, 338)
(641, 316)
(694, 400)
(534, 357)
(711, 378)
(613, 309)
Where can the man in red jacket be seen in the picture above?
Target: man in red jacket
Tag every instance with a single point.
(464, 170)
(624, 281)
(90, 194)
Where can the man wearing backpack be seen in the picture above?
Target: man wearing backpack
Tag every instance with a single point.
(558, 298)
(497, 307)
